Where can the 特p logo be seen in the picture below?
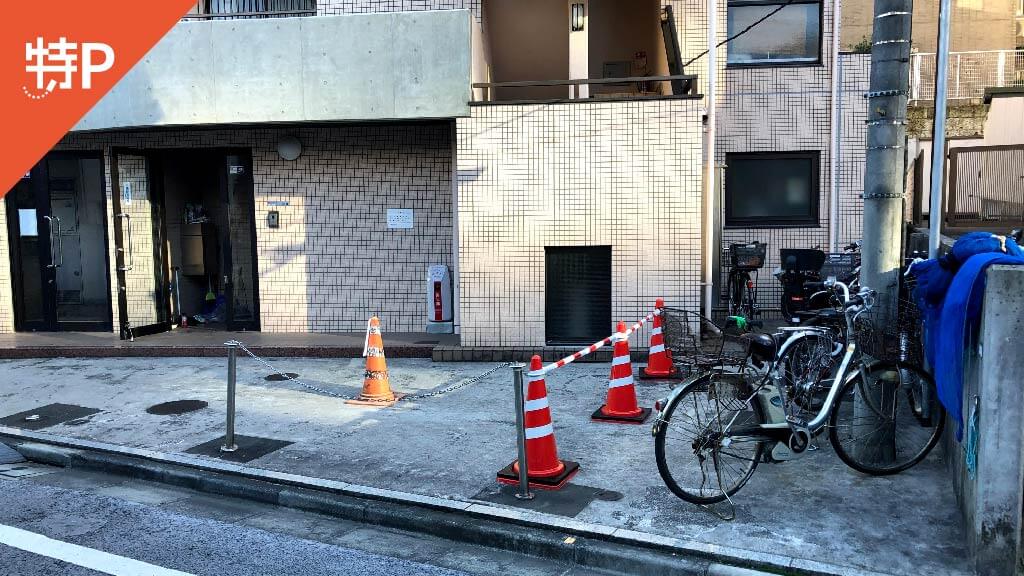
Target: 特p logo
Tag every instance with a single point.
(55, 64)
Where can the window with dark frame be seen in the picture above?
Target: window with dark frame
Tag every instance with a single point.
(790, 35)
(772, 189)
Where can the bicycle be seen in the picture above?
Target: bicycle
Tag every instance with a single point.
(746, 260)
(711, 433)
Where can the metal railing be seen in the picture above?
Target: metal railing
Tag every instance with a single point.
(970, 73)
(681, 84)
(986, 186)
(232, 9)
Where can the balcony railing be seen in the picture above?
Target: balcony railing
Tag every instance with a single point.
(681, 85)
(970, 73)
(228, 9)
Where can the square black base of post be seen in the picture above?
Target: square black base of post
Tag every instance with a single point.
(508, 475)
(599, 416)
(249, 448)
(46, 416)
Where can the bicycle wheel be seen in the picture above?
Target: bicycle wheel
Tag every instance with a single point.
(698, 458)
(736, 287)
(877, 425)
(805, 367)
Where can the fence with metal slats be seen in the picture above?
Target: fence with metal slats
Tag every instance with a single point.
(986, 185)
(970, 73)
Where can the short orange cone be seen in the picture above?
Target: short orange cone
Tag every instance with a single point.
(544, 469)
(621, 406)
(659, 360)
(376, 385)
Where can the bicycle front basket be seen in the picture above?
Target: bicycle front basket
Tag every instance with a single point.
(748, 256)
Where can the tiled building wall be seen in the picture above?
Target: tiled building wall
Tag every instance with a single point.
(854, 71)
(624, 174)
(6, 289)
(333, 261)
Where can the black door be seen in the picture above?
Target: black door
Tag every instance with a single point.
(577, 294)
(237, 237)
(57, 233)
(139, 239)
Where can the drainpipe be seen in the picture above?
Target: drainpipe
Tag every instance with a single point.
(833, 153)
(709, 160)
(939, 132)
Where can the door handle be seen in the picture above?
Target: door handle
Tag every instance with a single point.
(53, 242)
(60, 243)
(127, 259)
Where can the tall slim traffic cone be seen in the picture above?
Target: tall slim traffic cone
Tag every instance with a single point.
(376, 384)
(621, 406)
(543, 468)
(659, 360)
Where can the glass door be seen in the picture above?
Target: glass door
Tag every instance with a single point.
(238, 235)
(143, 299)
(58, 241)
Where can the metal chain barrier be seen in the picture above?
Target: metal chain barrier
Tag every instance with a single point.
(325, 392)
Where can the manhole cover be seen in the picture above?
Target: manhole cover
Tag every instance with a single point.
(608, 496)
(177, 407)
(281, 377)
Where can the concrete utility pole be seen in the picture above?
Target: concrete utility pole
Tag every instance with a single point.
(886, 155)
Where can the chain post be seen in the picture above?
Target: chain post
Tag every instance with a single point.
(229, 434)
(524, 475)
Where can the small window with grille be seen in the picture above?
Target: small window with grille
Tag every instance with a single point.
(577, 294)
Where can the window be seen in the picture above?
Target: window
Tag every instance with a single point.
(791, 35)
(771, 189)
(577, 293)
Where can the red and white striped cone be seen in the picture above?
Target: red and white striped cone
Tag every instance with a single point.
(621, 405)
(543, 468)
(659, 360)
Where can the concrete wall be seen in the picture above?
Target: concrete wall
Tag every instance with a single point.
(407, 65)
(991, 500)
(624, 174)
(976, 24)
(333, 261)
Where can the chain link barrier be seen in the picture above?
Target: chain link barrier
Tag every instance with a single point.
(398, 397)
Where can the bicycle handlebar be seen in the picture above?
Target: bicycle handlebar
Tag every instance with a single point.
(863, 296)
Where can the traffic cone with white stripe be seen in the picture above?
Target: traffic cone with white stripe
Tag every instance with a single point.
(659, 360)
(621, 406)
(376, 384)
(543, 468)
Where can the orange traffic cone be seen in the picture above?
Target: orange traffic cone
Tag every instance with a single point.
(376, 385)
(543, 468)
(621, 405)
(659, 360)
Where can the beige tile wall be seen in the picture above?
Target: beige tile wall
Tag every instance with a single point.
(625, 174)
(333, 261)
(6, 289)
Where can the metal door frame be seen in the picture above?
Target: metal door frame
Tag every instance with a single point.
(229, 321)
(126, 330)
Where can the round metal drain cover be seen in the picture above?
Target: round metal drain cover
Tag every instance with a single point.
(281, 377)
(177, 407)
(608, 496)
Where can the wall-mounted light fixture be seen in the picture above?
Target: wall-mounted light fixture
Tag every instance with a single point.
(289, 147)
(576, 17)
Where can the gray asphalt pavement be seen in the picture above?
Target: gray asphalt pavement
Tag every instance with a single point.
(178, 529)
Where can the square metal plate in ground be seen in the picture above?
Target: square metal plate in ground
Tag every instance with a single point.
(249, 448)
(46, 416)
(569, 501)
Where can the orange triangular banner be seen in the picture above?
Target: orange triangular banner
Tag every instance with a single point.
(58, 58)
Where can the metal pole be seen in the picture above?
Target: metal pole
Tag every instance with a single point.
(709, 161)
(229, 434)
(524, 474)
(939, 132)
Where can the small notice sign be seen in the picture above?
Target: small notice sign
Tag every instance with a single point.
(126, 193)
(400, 218)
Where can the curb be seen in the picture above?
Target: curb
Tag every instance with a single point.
(28, 352)
(546, 535)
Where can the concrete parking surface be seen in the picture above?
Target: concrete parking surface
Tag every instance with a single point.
(451, 446)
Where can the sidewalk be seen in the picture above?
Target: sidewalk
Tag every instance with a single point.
(451, 446)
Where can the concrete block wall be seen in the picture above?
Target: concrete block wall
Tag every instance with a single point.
(333, 261)
(990, 499)
(624, 174)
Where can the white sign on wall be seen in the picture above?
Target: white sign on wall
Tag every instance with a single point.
(126, 193)
(400, 218)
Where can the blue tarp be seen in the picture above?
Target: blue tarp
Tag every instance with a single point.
(949, 292)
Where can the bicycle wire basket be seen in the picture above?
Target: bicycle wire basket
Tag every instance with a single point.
(840, 265)
(900, 338)
(748, 256)
(696, 344)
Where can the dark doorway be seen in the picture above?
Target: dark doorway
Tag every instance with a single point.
(577, 294)
(208, 196)
(57, 233)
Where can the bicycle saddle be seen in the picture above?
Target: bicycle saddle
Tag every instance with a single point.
(761, 347)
